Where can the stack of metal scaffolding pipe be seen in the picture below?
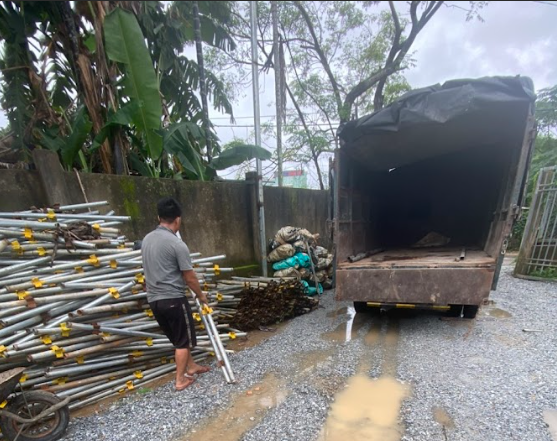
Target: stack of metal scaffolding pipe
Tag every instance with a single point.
(73, 307)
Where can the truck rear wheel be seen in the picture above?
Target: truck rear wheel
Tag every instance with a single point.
(470, 311)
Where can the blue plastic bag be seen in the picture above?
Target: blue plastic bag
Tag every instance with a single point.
(296, 261)
(311, 290)
(303, 260)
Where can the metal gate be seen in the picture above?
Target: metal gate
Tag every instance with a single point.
(537, 258)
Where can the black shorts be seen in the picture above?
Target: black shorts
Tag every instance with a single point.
(176, 321)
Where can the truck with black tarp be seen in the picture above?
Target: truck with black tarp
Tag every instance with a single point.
(425, 193)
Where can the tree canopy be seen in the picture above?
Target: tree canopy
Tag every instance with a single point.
(108, 87)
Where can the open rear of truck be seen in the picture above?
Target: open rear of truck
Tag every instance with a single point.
(428, 189)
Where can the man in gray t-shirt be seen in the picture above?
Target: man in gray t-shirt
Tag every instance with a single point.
(168, 270)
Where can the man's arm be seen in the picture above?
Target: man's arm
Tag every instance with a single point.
(193, 283)
(188, 274)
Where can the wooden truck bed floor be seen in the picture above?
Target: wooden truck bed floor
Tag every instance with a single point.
(422, 258)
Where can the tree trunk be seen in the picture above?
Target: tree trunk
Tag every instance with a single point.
(314, 154)
(379, 98)
(86, 83)
(107, 92)
(202, 84)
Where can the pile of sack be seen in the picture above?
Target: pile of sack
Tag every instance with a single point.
(292, 252)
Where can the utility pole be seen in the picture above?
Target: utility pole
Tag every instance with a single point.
(257, 126)
(278, 87)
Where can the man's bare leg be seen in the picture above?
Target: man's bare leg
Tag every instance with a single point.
(182, 358)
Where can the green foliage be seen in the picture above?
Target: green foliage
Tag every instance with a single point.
(517, 233)
(546, 110)
(546, 273)
(80, 130)
(544, 154)
(183, 141)
(214, 16)
(17, 93)
(124, 44)
(237, 154)
(79, 88)
(545, 147)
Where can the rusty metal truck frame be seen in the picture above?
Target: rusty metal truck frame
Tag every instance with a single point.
(380, 151)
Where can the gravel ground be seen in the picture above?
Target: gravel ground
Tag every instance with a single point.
(470, 380)
(492, 378)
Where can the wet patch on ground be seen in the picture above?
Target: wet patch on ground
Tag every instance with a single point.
(348, 330)
(246, 410)
(366, 410)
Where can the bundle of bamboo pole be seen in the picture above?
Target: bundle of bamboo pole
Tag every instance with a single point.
(73, 306)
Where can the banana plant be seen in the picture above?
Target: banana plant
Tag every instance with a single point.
(124, 44)
(88, 78)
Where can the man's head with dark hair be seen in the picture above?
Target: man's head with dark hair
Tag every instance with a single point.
(169, 211)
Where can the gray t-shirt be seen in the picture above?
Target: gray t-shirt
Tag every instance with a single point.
(165, 256)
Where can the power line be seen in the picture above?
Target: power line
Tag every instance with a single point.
(263, 116)
(242, 117)
(249, 126)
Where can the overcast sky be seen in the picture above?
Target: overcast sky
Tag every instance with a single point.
(515, 38)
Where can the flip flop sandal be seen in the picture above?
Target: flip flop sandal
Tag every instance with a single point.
(181, 388)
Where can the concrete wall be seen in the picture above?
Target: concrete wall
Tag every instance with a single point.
(20, 189)
(215, 219)
(219, 217)
(296, 207)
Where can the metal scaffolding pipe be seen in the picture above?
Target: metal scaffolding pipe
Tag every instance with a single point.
(31, 224)
(109, 308)
(98, 348)
(61, 216)
(11, 311)
(82, 206)
(208, 259)
(110, 330)
(30, 313)
(15, 268)
(81, 342)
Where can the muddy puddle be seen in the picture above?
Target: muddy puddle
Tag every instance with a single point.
(495, 312)
(442, 417)
(366, 410)
(509, 340)
(337, 312)
(312, 359)
(372, 336)
(348, 330)
(245, 412)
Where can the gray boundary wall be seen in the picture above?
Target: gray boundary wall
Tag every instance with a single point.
(219, 217)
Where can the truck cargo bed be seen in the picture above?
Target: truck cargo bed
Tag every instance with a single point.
(423, 258)
(439, 170)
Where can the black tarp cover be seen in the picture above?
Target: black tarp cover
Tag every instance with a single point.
(441, 119)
